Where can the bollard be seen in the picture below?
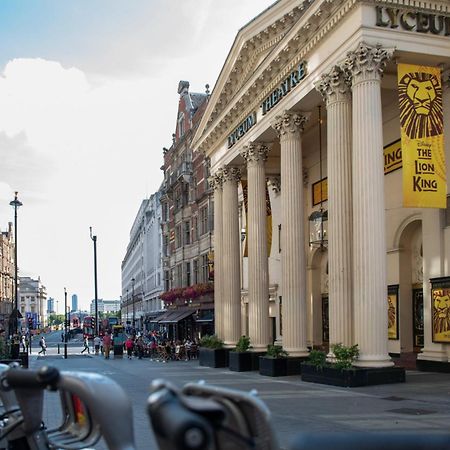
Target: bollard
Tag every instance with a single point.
(58, 349)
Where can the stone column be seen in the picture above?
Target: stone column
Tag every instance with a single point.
(365, 65)
(336, 92)
(231, 282)
(293, 259)
(216, 182)
(436, 246)
(258, 268)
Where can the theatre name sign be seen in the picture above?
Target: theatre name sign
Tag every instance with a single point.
(409, 20)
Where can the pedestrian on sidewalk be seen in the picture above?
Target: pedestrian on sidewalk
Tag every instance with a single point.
(43, 345)
(107, 344)
(129, 344)
(23, 343)
(97, 342)
(86, 345)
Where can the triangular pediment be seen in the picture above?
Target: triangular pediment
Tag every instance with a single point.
(252, 48)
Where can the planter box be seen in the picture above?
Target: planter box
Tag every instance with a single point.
(358, 376)
(240, 361)
(272, 367)
(213, 357)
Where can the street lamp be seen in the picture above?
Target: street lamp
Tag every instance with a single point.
(16, 203)
(132, 299)
(65, 323)
(94, 238)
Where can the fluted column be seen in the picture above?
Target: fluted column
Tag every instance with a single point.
(336, 91)
(258, 268)
(231, 286)
(365, 65)
(216, 182)
(293, 259)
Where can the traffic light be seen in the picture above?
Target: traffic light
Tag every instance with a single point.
(30, 323)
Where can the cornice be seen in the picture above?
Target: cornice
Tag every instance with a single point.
(278, 50)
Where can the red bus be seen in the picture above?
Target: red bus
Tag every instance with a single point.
(89, 327)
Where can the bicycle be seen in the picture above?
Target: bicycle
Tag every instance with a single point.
(84, 399)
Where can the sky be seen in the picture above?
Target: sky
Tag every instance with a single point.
(88, 99)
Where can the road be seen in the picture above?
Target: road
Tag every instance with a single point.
(420, 404)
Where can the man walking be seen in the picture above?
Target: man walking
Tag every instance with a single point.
(43, 345)
(86, 345)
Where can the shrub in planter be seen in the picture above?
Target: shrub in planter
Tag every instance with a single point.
(317, 358)
(212, 353)
(274, 362)
(276, 351)
(344, 356)
(243, 344)
(240, 359)
(211, 341)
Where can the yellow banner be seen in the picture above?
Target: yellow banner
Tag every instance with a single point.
(422, 133)
(392, 157)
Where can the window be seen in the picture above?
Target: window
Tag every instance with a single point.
(204, 276)
(195, 268)
(187, 232)
(188, 274)
(178, 238)
(166, 245)
(195, 229)
(179, 275)
(203, 220)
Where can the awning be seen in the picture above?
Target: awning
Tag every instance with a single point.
(154, 317)
(206, 318)
(175, 316)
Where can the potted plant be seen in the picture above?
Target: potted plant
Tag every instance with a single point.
(274, 362)
(240, 359)
(212, 353)
(341, 372)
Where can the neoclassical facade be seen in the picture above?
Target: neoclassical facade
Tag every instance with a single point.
(305, 119)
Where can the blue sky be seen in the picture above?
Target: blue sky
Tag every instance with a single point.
(88, 99)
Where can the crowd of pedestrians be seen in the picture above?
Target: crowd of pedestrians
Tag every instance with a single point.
(153, 346)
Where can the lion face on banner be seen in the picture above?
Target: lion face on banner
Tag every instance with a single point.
(420, 97)
(441, 312)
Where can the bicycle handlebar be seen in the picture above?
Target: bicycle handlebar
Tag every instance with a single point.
(187, 430)
(47, 377)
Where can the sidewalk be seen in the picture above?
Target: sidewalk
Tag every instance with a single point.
(420, 404)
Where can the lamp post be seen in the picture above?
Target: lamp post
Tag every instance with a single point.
(16, 203)
(94, 239)
(65, 323)
(132, 299)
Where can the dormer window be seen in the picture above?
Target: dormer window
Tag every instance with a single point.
(181, 130)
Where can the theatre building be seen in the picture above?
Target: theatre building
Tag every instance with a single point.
(327, 133)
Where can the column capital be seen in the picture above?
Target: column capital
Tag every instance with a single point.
(335, 85)
(216, 180)
(289, 123)
(367, 62)
(231, 174)
(255, 152)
